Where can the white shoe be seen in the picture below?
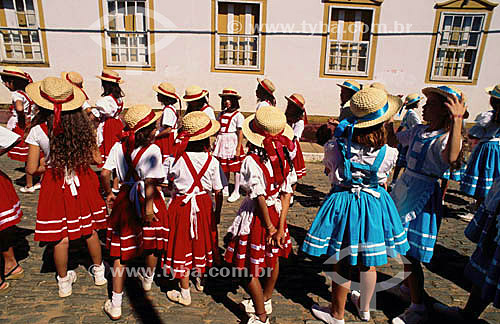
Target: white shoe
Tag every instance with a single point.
(37, 186)
(27, 189)
(176, 297)
(250, 309)
(355, 297)
(411, 317)
(234, 196)
(115, 313)
(291, 201)
(255, 320)
(466, 217)
(199, 284)
(98, 274)
(146, 282)
(66, 284)
(324, 314)
(225, 192)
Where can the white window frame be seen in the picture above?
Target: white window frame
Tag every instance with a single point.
(440, 32)
(3, 52)
(329, 41)
(258, 36)
(107, 38)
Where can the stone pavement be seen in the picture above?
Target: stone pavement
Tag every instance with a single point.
(34, 299)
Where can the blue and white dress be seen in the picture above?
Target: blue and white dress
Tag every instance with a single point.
(358, 219)
(417, 194)
(410, 120)
(484, 163)
(483, 269)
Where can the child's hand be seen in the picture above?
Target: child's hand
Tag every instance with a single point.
(270, 231)
(279, 238)
(333, 121)
(110, 200)
(150, 217)
(455, 107)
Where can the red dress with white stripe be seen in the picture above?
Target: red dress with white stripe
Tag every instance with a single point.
(166, 143)
(190, 214)
(127, 236)
(112, 126)
(20, 151)
(69, 205)
(227, 142)
(298, 160)
(248, 247)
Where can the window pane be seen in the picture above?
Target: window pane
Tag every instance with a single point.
(477, 23)
(111, 7)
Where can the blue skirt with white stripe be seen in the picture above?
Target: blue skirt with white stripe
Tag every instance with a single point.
(423, 230)
(482, 169)
(357, 226)
(455, 175)
(402, 151)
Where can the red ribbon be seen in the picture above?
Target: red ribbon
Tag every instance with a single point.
(109, 76)
(77, 85)
(229, 92)
(57, 129)
(265, 87)
(195, 95)
(130, 132)
(172, 94)
(24, 75)
(183, 137)
(273, 144)
(301, 106)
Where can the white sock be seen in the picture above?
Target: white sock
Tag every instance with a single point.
(237, 182)
(185, 293)
(116, 299)
(147, 277)
(420, 308)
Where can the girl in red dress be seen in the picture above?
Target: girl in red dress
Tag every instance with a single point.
(168, 123)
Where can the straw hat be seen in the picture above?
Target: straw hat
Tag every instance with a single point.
(267, 85)
(14, 71)
(297, 99)
(73, 77)
(138, 113)
(370, 101)
(412, 98)
(196, 121)
(270, 120)
(57, 89)
(193, 93)
(166, 89)
(110, 76)
(228, 92)
(494, 91)
(445, 91)
(351, 85)
(378, 85)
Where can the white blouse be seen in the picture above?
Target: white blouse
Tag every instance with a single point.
(207, 109)
(38, 138)
(485, 129)
(107, 106)
(298, 129)
(236, 122)
(29, 110)
(168, 118)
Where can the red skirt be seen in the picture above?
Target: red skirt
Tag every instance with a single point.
(252, 251)
(112, 130)
(60, 214)
(184, 253)
(20, 151)
(166, 145)
(234, 164)
(298, 162)
(126, 237)
(10, 206)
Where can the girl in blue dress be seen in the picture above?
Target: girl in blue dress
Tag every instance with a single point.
(433, 148)
(358, 223)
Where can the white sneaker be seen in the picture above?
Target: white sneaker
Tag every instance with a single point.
(37, 186)
(255, 320)
(466, 217)
(115, 313)
(234, 196)
(66, 284)
(225, 191)
(324, 314)
(411, 317)
(176, 297)
(98, 274)
(291, 201)
(146, 282)
(355, 297)
(27, 189)
(250, 309)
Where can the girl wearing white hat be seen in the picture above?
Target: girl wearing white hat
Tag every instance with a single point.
(197, 100)
(265, 93)
(62, 131)
(259, 233)
(484, 163)
(168, 122)
(433, 148)
(228, 148)
(137, 224)
(358, 223)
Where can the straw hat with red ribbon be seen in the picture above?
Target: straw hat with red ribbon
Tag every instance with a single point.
(137, 117)
(75, 79)
(267, 85)
(228, 92)
(195, 126)
(16, 72)
(194, 93)
(166, 89)
(267, 128)
(110, 76)
(58, 95)
(298, 100)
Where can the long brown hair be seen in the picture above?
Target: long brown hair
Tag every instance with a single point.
(374, 136)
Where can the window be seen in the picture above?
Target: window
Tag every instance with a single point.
(238, 42)
(127, 33)
(21, 40)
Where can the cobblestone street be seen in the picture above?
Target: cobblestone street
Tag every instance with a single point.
(34, 299)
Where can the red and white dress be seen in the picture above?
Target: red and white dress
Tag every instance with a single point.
(70, 204)
(248, 247)
(264, 103)
(191, 240)
(168, 119)
(209, 110)
(127, 237)
(297, 156)
(10, 206)
(20, 151)
(227, 141)
(111, 125)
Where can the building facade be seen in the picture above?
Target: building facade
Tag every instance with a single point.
(302, 46)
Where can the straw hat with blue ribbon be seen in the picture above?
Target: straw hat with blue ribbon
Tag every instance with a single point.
(494, 91)
(445, 91)
(351, 85)
(410, 99)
